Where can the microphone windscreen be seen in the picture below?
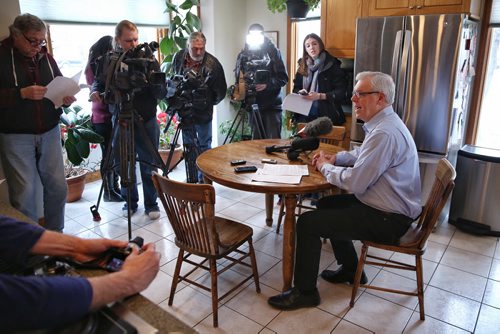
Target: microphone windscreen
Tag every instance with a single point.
(318, 127)
(304, 144)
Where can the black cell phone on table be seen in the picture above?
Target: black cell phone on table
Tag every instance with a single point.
(238, 162)
(245, 169)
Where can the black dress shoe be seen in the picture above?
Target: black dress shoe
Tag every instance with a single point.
(294, 299)
(342, 276)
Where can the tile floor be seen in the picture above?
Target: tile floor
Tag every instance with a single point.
(461, 276)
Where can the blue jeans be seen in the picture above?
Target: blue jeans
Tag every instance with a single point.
(26, 157)
(204, 134)
(146, 158)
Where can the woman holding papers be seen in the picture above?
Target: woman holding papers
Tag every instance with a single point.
(320, 79)
(30, 141)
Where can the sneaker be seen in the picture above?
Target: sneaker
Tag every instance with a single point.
(125, 212)
(154, 215)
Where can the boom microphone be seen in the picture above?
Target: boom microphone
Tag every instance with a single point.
(298, 144)
(318, 127)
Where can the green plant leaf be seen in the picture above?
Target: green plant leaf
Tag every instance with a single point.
(83, 149)
(181, 42)
(186, 5)
(193, 20)
(167, 46)
(73, 154)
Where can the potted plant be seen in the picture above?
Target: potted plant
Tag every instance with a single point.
(77, 136)
(295, 8)
(182, 23)
(167, 138)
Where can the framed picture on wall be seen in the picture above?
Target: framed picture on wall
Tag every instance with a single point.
(273, 36)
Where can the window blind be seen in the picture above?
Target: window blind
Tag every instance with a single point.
(141, 12)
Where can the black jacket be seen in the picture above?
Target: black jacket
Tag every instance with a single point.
(331, 81)
(19, 115)
(212, 74)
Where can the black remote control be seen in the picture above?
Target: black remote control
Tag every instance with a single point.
(245, 169)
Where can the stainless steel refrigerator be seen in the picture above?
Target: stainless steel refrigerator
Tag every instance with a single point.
(431, 59)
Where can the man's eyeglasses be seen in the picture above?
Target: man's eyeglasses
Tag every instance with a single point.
(35, 43)
(360, 94)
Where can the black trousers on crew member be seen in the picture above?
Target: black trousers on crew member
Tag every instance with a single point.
(341, 218)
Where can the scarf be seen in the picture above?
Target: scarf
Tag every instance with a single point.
(314, 66)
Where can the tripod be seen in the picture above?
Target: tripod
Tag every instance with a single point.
(191, 151)
(251, 109)
(124, 126)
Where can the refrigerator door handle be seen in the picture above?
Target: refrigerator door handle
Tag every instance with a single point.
(395, 54)
(402, 81)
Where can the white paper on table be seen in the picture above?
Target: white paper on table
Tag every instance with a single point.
(282, 170)
(288, 179)
(296, 103)
(61, 87)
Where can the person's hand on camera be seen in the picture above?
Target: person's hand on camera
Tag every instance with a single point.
(260, 87)
(90, 249)
(138, 271)
(141, 268)
(34, 92)
(95, 97)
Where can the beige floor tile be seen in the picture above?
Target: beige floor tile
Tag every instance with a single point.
(222, 202)
(240, 211)
(497, 251)
(345, 327)
(229, 322)
(442, 234)
(112, 230)
(335, 298)
(434, 251)
(392, 281)
(72, 227)
(273, 277)
(371, 312)
(477, 244)
(307, 320)
(190, 306)
(451, 308)
(159, 290)
(488, 321)
(167, 249)
(467, 261)
(492, 294)
(459, 282)
(160, 227)
(495, 270)
(254, 305)
(271, 244)
(430, 326)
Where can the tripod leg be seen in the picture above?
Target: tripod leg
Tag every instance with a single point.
(259, 131)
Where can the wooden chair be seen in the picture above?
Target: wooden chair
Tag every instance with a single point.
(334, 137)
(414, 241)
(190, 210)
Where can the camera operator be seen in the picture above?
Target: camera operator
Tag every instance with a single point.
(35, 302)
(30, 139)
(144, 103)
(267, 95)
(194, 59)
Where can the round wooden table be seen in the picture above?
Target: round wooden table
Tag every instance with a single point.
(216, 167)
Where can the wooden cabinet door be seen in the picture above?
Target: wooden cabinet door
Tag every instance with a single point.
(448, 7)
(338, 26)
(391, 7)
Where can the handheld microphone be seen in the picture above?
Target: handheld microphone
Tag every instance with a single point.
(318, 127)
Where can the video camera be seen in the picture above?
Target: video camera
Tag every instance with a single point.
(124, 73)
(251, 70)
(186, 94)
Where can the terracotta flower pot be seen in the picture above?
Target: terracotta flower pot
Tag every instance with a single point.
(177, 155)
(76, 184)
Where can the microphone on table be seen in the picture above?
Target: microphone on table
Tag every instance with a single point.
(318, 127)
(297, 146)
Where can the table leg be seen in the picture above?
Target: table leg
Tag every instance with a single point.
(289, 240)
(269, 209)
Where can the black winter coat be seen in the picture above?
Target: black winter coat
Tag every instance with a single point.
(331, 81)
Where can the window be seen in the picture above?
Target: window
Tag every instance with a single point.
(70, 47)
(488, 134)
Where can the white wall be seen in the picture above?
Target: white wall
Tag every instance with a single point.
(225, 24)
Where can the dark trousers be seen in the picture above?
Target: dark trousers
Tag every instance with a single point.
(341, 218)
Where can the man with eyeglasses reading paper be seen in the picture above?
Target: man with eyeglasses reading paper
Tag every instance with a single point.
(383, 180)
(30, 141)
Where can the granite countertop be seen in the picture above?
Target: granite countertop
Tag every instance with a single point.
(148, 311)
